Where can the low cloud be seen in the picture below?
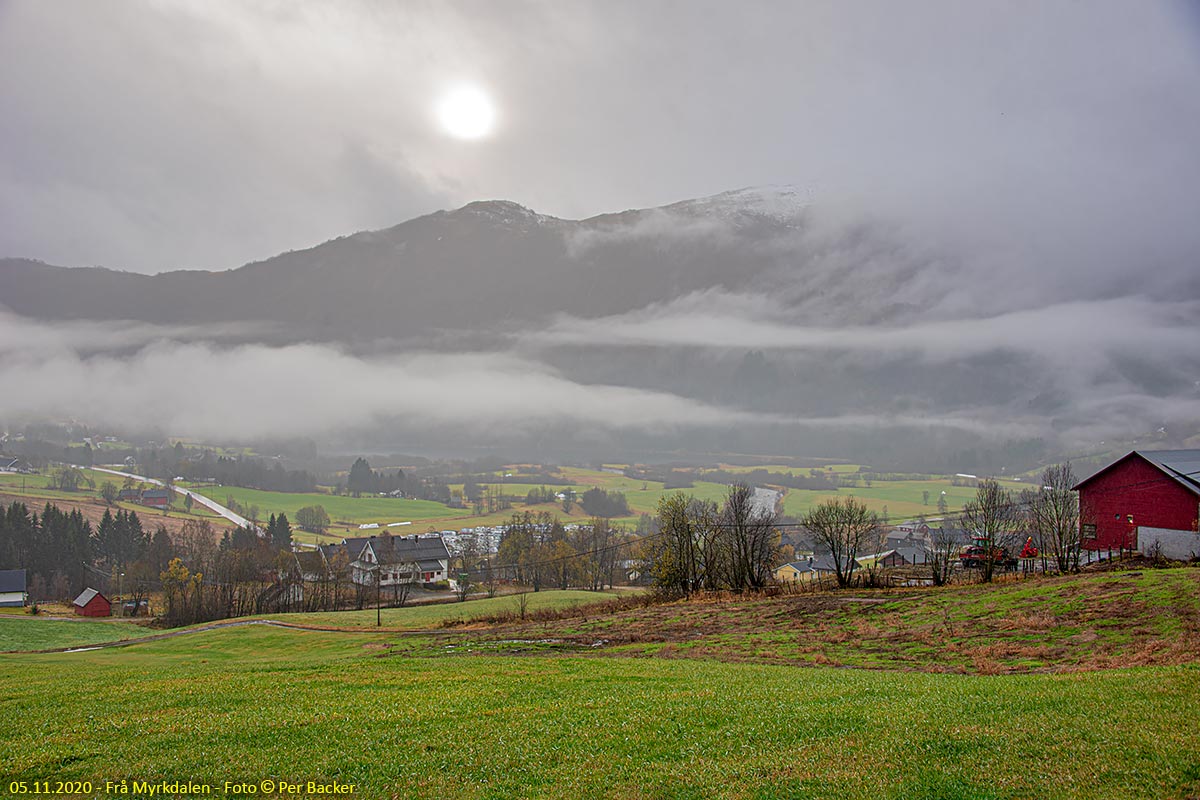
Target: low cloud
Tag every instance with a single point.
(255, 390)
(659, 225)
(149, 377)
(718, 319)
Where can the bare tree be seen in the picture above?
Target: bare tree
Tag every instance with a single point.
(462, 586)
(993, 518)
(491, 579)
(943, 552)
(843, 527)
(1053, 515)
(406, 576)
(752, 540)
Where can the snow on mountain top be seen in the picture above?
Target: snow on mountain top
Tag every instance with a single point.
(501, 211)
(779, 203)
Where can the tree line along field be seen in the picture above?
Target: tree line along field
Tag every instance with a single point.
(403, 716)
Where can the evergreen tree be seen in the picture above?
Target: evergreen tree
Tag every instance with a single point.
(281, 534)
(361, 479)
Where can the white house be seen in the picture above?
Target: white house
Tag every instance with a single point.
(12, 588)
(398, 559)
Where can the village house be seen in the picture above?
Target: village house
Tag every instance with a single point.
(13, 593)
(91, 603)
(397, 559)
(1147, 500)
(312, 566)
(805, 569)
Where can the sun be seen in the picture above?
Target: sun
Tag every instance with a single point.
(467, 113)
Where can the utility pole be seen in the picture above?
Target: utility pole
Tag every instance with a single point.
(378, 619)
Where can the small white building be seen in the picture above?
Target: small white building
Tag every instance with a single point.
(12, 588)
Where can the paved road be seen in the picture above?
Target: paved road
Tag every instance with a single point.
(207, 502)
(765, 499)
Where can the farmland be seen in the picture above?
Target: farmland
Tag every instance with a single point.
(341, 508)
(1090, 621)
(348, 707)
(29, 633)
(900, 499)
(419, 617)
(33, 490)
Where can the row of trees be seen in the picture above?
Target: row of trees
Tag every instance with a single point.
(362, 479)
(241, 573)
(1049, 514)
(248, 472)
(699, 545)
(537, 550)
(62, 552)
(599, 503)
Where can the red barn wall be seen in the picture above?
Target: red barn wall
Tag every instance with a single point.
(96, 607)
(1136, 488)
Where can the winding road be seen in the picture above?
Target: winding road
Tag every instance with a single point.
(212, 505)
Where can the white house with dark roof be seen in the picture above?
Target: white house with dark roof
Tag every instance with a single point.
(13, 593)
(397, 559)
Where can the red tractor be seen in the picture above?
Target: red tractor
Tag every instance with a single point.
(975, 555)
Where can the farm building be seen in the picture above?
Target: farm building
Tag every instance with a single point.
(884, 560)
(1144, 489)
(91, 603)
(157, 498)
(12, 588)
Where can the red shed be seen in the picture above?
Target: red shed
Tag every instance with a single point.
(92, 604)
(1151, 488)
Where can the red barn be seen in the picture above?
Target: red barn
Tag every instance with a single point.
(92, 604)
(1151, 488)
(157, 498)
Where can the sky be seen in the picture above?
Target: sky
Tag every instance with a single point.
(986, 182)
(150, 136)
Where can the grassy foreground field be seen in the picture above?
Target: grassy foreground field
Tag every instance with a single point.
(31, 633)
(423, 617)
(428, 715)
(248, 704)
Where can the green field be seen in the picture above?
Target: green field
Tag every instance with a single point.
(841, 469)
(248, 704)
(346, 513)
(341, 509)
(904, 499)
(33, 633)
(421, 617)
